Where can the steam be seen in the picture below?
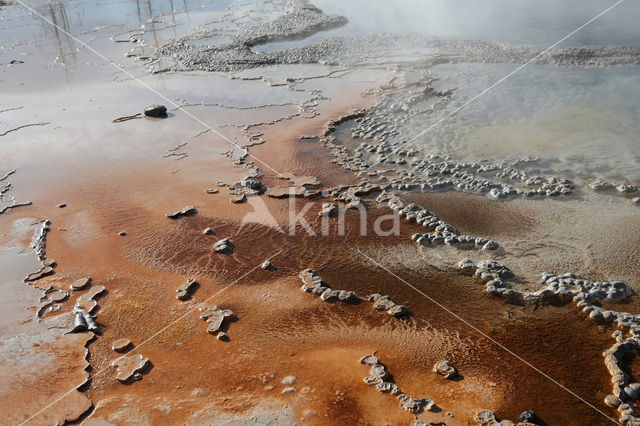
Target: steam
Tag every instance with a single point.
(536, 22)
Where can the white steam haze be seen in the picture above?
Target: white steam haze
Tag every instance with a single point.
(515, 21)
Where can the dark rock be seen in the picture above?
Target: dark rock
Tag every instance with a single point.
(528, 416)
(156, 111)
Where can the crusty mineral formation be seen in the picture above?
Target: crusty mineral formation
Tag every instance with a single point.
(381, 379)
(587, 296)
(185, 290)
(223, 246)
(384, 303)
(312, 283)
(130, 367)
(80, 284)
(217, 319)
(445, 368)
(187, 211)
(121, 345)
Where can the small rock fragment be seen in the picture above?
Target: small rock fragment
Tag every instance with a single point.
(208, 231)
(187, 211)
(329, 210)
(185, 289)
(446, 369)
(528, 416)
(88, 305)
(95, 292)
(212, 191)
(216, 319)
(239, 198)
(128, 367)
(57, 296)
(266, 265)
(80, 284)
(289, 380)
(41, 273)
(369, 359)
(612, 401)
(122, 233)
(121, 345)
(62, 205)
(223, 245)
(156, 111)
(485, 417)
(87, 321)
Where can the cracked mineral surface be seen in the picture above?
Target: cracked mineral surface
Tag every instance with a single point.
(455, 190)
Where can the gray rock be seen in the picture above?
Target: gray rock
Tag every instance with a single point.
(128, 367)
(187, 211)
(633, 390)
(446, 369)
(121, 345)
(184, 291)
(485, 417)
(528, 416)
(238, 198)
(490, 245)
(612, 401)
(289, 380)
(80, 284)
(329, 210)
(222, 246)
(216, 318)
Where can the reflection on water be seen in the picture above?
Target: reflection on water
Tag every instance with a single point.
(583, 120)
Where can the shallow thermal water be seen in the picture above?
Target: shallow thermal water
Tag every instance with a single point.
(582, 122)
(281, 114)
